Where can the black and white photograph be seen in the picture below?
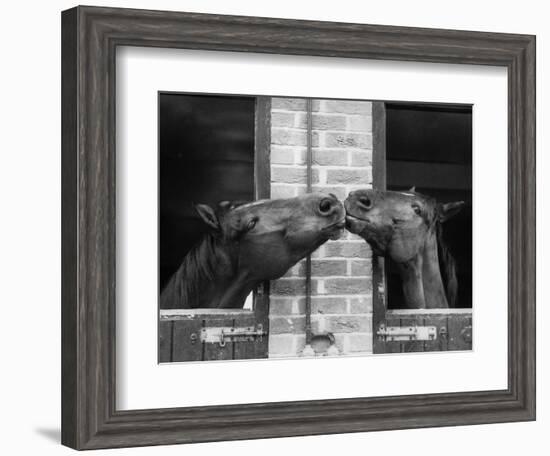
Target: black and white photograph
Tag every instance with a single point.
(310, 227)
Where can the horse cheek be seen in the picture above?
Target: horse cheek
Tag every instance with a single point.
(266, 258)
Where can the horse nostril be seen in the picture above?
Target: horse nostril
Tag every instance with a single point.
(365, 201)
(325, 206)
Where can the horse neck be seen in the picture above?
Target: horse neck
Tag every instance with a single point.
(421, 277)
(434, 291)
(207, 278)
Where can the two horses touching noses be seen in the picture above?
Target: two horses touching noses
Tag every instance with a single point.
(249, 243)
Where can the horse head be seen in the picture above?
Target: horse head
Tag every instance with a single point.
(249, 243)
(405, 226)
(267, 237)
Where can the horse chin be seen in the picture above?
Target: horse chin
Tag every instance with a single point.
(336, 231)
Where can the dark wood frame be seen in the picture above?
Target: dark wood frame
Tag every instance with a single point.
(89, 39)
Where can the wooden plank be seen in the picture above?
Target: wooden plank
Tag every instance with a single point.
(214, 351)
(460, 332)
(261, 312)
(378, 182)
(262, 148)
(177, 314)
(246, 349)
(262, 181)
(166, 329)
(186, 344)
(430, 312)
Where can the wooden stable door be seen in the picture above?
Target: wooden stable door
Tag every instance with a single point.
(214, 334)
(423, 330)
(407, 144)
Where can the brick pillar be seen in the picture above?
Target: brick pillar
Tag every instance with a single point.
(341, 270)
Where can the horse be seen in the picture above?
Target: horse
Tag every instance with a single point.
(248, 243)
(407, 227)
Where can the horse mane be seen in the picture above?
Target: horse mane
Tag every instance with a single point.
(447, 265)
(197, 269)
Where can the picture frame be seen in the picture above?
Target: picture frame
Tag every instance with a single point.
(90, 36)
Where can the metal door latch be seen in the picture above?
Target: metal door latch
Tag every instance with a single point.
(224, 334)
(406, 333)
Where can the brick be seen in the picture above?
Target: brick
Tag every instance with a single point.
(340, 192)
(300, 121)
(299, 306)
(281, 306)
(288, 274)
(352, 187)
(361, 304)
(282, 344)
(283, 155)
(289, 175)
(346, 106)
(287, 305)
(300, 340)
(328, 122)
(282, 191)
(344, 323)
(288, 287)
(326, 268)
(348, 176)
(316, 138)
(361, 268)
(283, 119)
(288, 137)
(348, 285)
(361, 123)
(328, 305)
(296, 270)
(288, 104)
(287, 325)
(361, 157)
(352, 237)
(301, 155)
(340, 340)
(359, 343)
(317, 286)
(329, 157)
(319, 253)
(347, 249)
(357, 140)
(319, 175)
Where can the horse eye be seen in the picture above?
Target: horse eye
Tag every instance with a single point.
(251, 224)
(325, 206)
(416, 209)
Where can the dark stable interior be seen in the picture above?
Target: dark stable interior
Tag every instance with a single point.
(206, 155)
(430, 147)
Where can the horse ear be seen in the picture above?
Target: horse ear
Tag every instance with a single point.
(208, 216)
(448, 210)
(412, 189)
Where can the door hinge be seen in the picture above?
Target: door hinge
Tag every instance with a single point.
(406, 333)
(224, 334)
